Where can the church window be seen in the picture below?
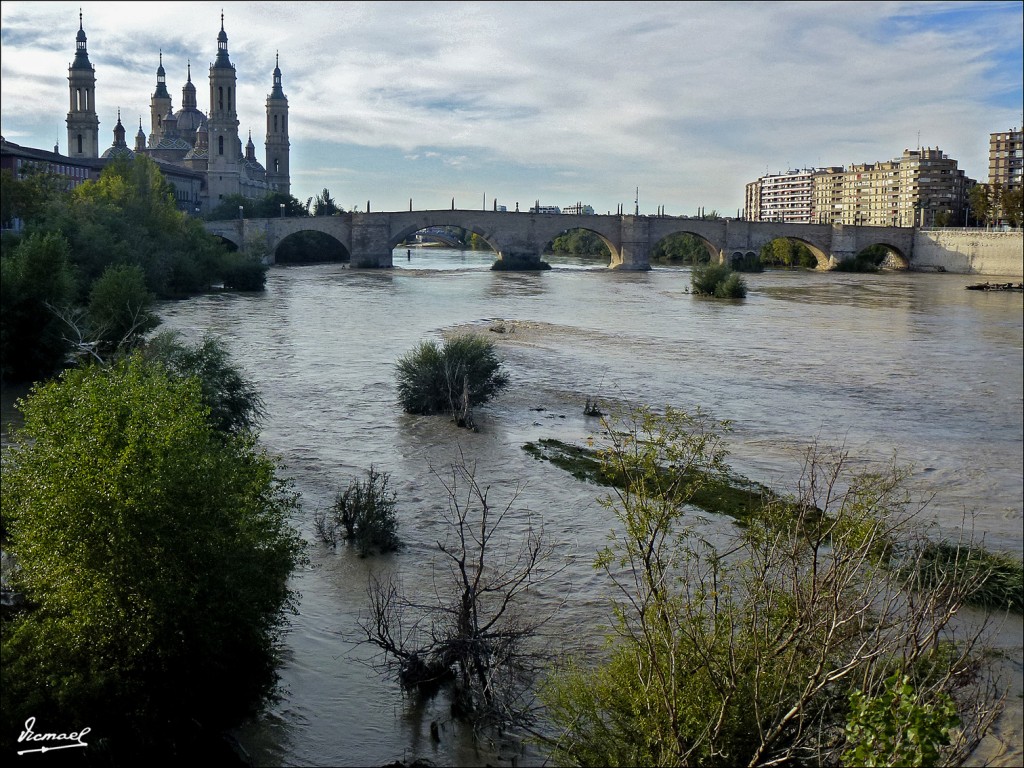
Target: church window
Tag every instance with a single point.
(220, 98)
(275, 123)
(79, 143)
(277, 166)
(220, 145)
(229, 99)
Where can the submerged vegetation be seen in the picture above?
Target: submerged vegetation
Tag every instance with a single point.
(719, 281)
(997, 580)
(363, 514)
(719, 492)
(450, 378)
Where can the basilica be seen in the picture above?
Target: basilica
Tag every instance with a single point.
(201, 154)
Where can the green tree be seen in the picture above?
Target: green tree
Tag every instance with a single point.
(1013, 206)
(36, 284)
(719, 281)
(982, 203)
(452, 377)
(234, 404)
(119, 308)
(747, 650)
(897, 728)
(325, 205)
(580, 242)
(153, 552)
(25, 198)
(681, 248)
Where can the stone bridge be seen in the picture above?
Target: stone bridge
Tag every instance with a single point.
(521, 239)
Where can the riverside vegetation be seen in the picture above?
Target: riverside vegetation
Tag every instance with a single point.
(80, 278)
(828, 609)
(147, 459)
(793, 643)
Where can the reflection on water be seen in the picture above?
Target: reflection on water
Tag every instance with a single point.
(910, 364)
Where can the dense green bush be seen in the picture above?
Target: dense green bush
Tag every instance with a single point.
(235, 404)
(681, 248)
(364, 514)
(36, 281)
(241, 272)
(580, 242)
(153, 552)
(118, 312)
(461, 372)
(718, 280)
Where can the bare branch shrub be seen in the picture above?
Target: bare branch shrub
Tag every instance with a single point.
(473, 636)
(364, 514)
(750, 654)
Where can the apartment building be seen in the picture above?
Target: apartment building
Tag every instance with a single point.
(752, 201)
(870, 194)
(1006, 159)
(923, 187)
(787, 197)
(932, 189)
(828, 196)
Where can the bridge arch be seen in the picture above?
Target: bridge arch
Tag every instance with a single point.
(309, 246)
(402, 233)
(614, 256)
(681, 246)
(229, 242)
(823, 259)
(891, 257)
(743, 257)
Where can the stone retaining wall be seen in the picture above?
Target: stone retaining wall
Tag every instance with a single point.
(970, 252)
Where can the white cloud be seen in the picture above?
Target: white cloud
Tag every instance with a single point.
(557, 101)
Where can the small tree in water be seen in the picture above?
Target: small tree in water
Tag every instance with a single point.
(475, 636)
(462, 372)
(364, 514)
(718, 280)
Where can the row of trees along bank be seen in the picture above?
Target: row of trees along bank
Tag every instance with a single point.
(80, 276)
(146, 536)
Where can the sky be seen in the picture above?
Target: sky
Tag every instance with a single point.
(666, 106)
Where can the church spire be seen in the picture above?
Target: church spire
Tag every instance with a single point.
(222, 46)
(82, 121)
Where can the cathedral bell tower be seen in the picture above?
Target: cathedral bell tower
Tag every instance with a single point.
(83, 122)
(277, 136)
(225, 148)
(159, 105)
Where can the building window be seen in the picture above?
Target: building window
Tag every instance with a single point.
(220, 98)
(79, 143)
(220, 145)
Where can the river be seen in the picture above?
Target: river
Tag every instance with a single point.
(909, 364)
